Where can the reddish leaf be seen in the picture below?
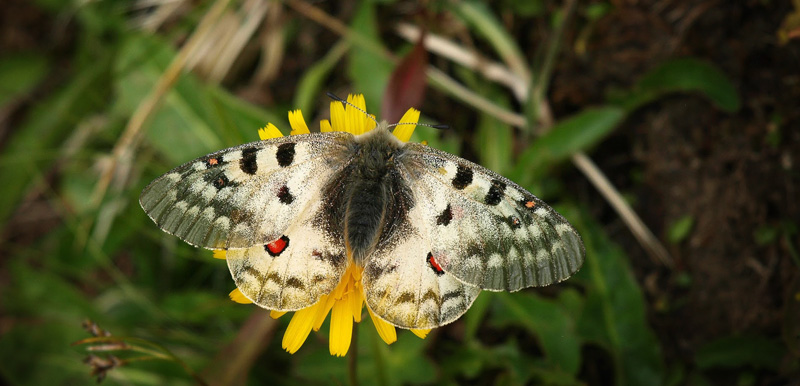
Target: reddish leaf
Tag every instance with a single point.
(407, 85)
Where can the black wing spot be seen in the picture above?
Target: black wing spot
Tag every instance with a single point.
(445, 217)
(318, 279)
(285, 196)
(496, 193)
(463, 177)
(285, 154)
(434, 265)
(295, 283)
(221, 181)
(432, 295)
(248, 162)
(405, 297)
(514, 222)
(452, 295)
(337, 260)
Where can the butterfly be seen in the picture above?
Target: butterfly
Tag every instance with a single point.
(430, 229)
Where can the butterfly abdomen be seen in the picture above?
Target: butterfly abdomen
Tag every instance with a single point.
(363, 217)
(371, 184)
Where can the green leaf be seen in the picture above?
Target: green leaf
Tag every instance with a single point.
(680, 229)
(494, 144)
(402, 363)
(685, 75)
(309, 90)
(32, 147)
(766, 235)
(19, 73)
(193, 119)
(737, 351)
(526, 8)
(614, 312)
(483, 20)
(477, 312)
(567, 137)
(369, 71)
(195, 306)
(554, 328)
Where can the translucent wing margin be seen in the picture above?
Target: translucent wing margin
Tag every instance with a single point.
(246, 195)
(486, 230)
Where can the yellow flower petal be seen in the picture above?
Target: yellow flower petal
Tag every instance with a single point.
(322, 311)
(297, 123)
(276, 314)
(238, 297)
(325, 126)
(220, 254)
(404, 128)
(355, 117)
(298, 330)
(421, 333)
(341, 327)
(338, 117)
(385, 330)
(268, 132)
(356, 304)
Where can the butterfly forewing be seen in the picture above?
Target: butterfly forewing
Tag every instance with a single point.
(486, 230)
(245, 195)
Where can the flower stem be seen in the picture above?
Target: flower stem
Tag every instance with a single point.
(352, 360)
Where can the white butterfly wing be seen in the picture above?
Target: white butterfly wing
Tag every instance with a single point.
(244, 195)
(292, 272)
(486, 230)
(403, 285)
(263, 202)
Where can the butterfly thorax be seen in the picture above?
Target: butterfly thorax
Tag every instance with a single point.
(373, 190)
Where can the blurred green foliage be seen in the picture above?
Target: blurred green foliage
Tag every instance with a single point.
(106, 261)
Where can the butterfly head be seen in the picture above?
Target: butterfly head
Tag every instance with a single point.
(377, 150)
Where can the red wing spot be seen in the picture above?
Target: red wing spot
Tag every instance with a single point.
(530, 204)
(437, 269)
(277, 247)
(213, 161)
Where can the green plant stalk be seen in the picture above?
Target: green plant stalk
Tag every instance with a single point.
(541, 82)
(380, 365)
(504, 44)
(792, 250)
(163, 353)
(352, 361)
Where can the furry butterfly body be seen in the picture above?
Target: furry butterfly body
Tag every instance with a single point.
(430, 229)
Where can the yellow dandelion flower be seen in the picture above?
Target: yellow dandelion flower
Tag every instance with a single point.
(346, 302)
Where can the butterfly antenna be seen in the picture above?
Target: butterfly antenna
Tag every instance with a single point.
(338, 99)
(438, 127)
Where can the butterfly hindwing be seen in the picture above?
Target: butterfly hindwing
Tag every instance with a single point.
(404, 285)
(486, 230)
(246, 195)
(297, 268)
